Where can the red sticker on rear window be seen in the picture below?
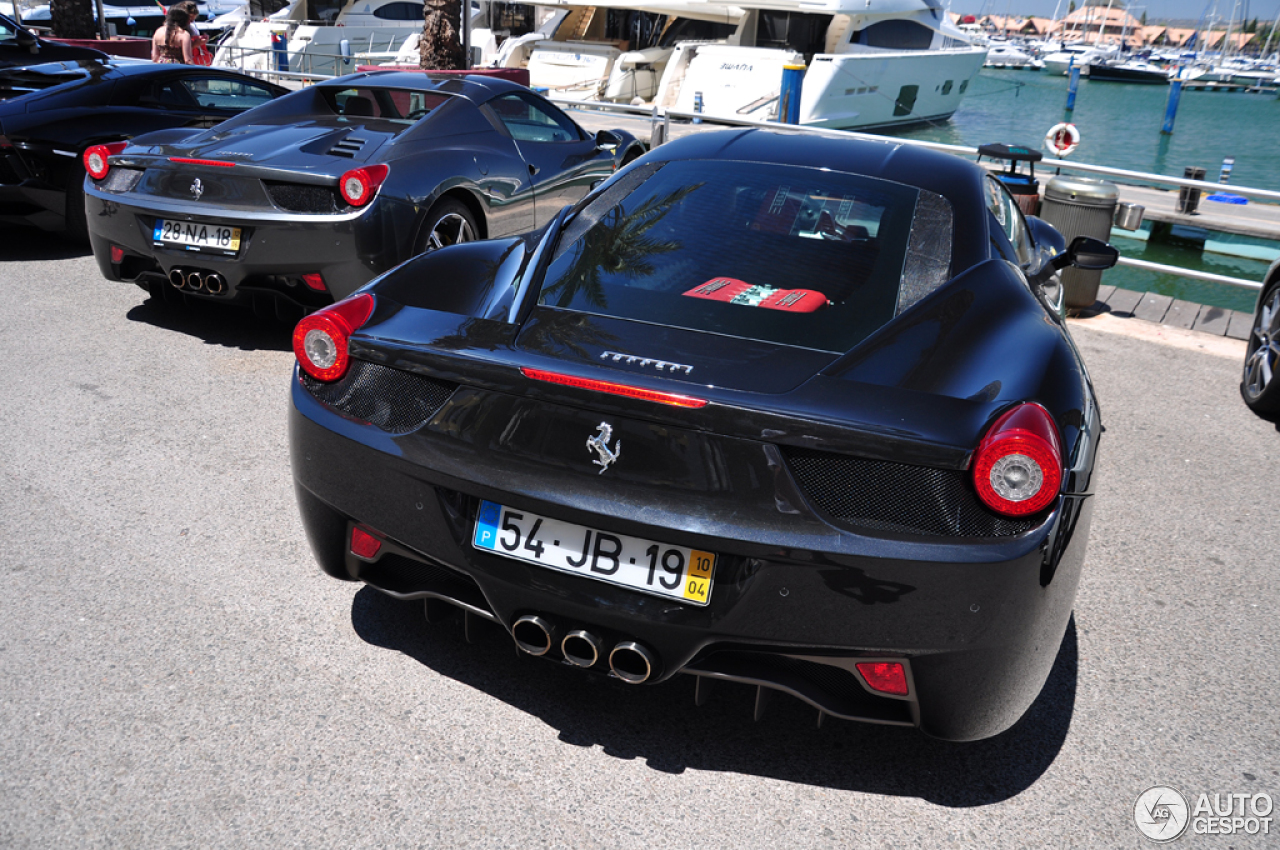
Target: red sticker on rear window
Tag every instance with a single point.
(733, 291)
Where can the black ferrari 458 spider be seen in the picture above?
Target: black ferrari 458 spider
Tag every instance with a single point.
(782, 410)
(53, 115)
(307, 199)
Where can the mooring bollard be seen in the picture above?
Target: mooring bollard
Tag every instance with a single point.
(1073, 71)
(789, 97)
(1189, 196)
(1171, 108)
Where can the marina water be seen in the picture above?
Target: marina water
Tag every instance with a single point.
(1119, 126)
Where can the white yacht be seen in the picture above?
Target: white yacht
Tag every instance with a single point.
(870, 64)
(333, 37)
(612, 52)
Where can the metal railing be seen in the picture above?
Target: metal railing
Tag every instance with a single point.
(656, 115)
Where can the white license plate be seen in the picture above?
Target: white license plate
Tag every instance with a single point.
(644, 565)
(197, 236)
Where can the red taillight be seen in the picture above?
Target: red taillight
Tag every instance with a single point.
(887, 677)
(95, 158)
(614, 389)
(218, 163)
(363, 544)
(359, 185)
(117, 255)
(320, 339)
(1018, 466)
(314, 281)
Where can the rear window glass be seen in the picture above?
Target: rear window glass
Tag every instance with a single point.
(797, 256)
(401, 106)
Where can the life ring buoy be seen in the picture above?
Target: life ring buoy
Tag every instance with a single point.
(1062, 139)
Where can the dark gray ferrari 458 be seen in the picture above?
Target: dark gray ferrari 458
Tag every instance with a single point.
(309, 198)
(783, 410)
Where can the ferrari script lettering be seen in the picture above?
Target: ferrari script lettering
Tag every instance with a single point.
(631, 359)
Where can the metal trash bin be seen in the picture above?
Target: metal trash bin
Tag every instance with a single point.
(1022, 185)
(1080, 207)
(1189, 196)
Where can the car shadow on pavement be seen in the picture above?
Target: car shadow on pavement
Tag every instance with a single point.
(27, 245)
(231, 326)
(662, 725)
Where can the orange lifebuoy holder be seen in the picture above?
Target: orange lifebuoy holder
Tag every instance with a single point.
(1062, 139)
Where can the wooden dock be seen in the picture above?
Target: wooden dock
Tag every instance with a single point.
(1173, 312)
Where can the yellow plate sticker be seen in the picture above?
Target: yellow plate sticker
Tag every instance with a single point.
(697, 577)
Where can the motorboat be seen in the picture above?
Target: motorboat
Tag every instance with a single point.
(1136, 71)
(1079, 55)
(1006, 55)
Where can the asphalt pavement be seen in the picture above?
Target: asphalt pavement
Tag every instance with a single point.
(176, 671)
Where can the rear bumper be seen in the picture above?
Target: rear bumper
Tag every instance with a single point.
(978, 626)
(275, 251)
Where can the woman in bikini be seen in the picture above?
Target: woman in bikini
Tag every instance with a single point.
(172, 42)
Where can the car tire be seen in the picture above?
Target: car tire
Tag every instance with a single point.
(77, 222)
(448, 223)
(1260, 381)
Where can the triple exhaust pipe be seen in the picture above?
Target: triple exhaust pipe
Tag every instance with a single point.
(630, 661)
(195, 280)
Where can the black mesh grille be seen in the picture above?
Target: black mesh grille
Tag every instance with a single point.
(399, 574)
(297, 197)
(889, 496)
(8, 168)
(121, 179)
(394, 400)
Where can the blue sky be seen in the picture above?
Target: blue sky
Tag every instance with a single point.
(1155, 9)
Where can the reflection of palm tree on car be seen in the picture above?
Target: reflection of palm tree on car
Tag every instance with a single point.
(618, 244)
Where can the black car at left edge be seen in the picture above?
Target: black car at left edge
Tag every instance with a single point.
(305, 199)
(51, 114)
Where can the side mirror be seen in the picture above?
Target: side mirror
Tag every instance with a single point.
(26, 40)
(607, 140)
(1087, 253)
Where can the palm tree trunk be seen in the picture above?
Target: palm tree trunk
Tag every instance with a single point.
(441, 47)
(72, 18)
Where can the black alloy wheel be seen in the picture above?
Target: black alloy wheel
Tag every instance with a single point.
(448, 223)
(1260, 385)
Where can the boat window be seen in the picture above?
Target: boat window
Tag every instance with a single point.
(801, 32)
(529, 121)
(896, 35)
(798, 256)
(324, 10)
(687, 29)
(399, 12)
